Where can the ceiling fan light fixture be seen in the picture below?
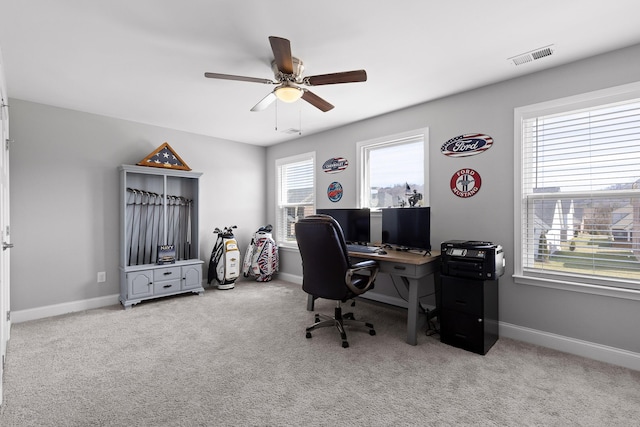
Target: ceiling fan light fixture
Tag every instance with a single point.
(287, 71)
(288, 93)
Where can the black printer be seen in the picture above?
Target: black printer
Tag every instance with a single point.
(472, 259)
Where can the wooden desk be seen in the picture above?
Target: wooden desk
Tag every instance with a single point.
(410, 268)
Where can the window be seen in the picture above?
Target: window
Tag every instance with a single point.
(392, 171)
(295, 183)
(578, 190)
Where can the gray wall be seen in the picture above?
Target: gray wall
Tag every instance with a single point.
(64, 197)
(489, 214)
(64, 187)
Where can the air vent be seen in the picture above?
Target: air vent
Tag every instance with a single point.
(533, 55)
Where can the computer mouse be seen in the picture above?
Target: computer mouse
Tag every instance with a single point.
(381, 252)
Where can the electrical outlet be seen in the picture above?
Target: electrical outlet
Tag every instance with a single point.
(102, 276)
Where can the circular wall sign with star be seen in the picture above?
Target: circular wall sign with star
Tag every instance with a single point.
(334, 191)
(465, 183)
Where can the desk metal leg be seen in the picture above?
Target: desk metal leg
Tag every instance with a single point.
(412, 312)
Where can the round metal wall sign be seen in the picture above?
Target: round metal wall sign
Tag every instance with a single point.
(334, 191)
(465, 183)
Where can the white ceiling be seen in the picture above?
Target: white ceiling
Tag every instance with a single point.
(144, 60)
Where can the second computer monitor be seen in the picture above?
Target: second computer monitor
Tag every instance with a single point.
(408, 228)
(355, 223)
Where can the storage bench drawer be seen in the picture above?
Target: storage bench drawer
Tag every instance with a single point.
(166, 286)
(168, 273)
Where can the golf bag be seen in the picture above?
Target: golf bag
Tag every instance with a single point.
(224, 264)
(261, 257)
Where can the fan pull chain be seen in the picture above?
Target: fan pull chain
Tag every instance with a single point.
(276, 115)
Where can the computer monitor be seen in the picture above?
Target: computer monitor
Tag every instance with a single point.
(355, 223)
(407, 228)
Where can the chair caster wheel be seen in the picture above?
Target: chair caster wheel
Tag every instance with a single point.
(308, 334)
(372, 332)
(345, 344)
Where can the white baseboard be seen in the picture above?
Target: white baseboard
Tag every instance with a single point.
(290, 278)
(64, 308)
(603, 353)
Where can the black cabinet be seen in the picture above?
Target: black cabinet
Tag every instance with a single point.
(469, 313)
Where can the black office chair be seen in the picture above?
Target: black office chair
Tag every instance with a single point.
(327, 272)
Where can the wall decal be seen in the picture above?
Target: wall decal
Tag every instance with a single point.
(335, 165)
(467, 145)
(465, 183)
(334, 192)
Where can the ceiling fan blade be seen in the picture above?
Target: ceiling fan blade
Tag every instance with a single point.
(239, 78)
(316, 101)
(282, 54)
(335, 78)
(265, 102)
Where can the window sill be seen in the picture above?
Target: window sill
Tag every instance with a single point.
(288, 247)
(607, 291)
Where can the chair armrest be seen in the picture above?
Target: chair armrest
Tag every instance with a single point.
(369, 265)
(364, 264)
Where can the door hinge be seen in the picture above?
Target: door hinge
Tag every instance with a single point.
(8, 315)
(7, 143)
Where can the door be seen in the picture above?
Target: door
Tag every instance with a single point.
(5, 322)
(191, 276)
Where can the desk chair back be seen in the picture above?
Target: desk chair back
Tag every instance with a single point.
(327, 271)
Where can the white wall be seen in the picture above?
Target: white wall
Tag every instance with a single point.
(64, 197)
(605, 321)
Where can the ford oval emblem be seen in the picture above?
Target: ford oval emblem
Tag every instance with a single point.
(467, 145)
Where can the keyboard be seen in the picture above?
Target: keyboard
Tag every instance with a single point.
(361, 248)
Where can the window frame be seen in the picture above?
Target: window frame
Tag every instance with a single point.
(279, 234)
(599, 285)
(362, 179)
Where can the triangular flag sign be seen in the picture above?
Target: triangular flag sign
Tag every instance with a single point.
(164, 157)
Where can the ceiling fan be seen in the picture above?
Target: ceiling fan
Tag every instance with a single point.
(288, 76)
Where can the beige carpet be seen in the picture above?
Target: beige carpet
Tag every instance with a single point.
(240, 357)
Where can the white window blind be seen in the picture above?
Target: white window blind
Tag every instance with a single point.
(580, 194)
(296, 194)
